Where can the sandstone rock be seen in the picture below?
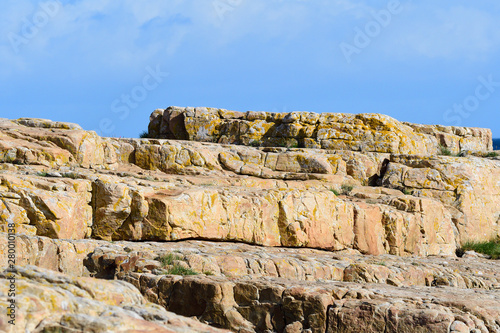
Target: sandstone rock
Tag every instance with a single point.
(66, 256)
(272, 304)
(362, 132)
(49, 301)
(56, 208)
(469, 185)
(357, 189)
(244, 294)
(121, 209)
(238, 260)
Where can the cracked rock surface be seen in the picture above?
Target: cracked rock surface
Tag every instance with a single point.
(252, 222)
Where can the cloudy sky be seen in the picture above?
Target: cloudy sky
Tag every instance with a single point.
(108, 64)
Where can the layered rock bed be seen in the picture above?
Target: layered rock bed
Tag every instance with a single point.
(250, 222)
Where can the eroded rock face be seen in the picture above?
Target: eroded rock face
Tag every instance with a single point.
(355, 206)
(272, 304)
(49, 301)
(362, 132)
(55, 144)
(265, 196)
(312, 216)
(104, 259)
(55, 208)
(254, 289)
(470, 188)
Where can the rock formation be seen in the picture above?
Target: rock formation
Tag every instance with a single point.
(373, 208)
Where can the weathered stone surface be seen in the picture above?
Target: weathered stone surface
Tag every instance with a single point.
(468, 186)
(127, 205)
(273, 304)
(283, 217)
(244, 287)
(104, 259)
(49, 301)
(66, 256)
(363, 132)
(390, 221)
(58, 208)
(55, 144)
(238, 260)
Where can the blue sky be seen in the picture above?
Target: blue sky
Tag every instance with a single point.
(108, 64)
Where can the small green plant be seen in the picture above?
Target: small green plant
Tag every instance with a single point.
(180, 270)
(445, 151)
(144, 135)
(168, 259)
(346, 189)
(72, 175)
(492, 154)
(334, 191)
(255, 143)
(208, 273)
(407, 191)
(42, 173)
(491, 248)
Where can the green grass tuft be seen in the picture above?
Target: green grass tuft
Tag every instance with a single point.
(407, 191)
(168, 259)
(445, 151)
(173, 268)
(346, 189)
(491, 248)
(179, 270)
(334, 191)
(72, 175)
(492, 154)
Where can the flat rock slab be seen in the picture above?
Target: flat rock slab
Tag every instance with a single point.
(53, 302)
(281, 305)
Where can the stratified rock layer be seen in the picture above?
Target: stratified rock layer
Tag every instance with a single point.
(53, 302)
(328, 199)
(253, 289)
(362, 132)
(355, 231)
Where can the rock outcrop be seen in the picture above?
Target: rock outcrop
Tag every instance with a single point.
(304, 223)
(253, 289)
(367, 132)
(212, 191)
(53, 302)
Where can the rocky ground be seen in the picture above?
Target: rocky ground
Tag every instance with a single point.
(252, 222)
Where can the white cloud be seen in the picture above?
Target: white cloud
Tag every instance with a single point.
(452, 32)
(130, 34)
(101, 32)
